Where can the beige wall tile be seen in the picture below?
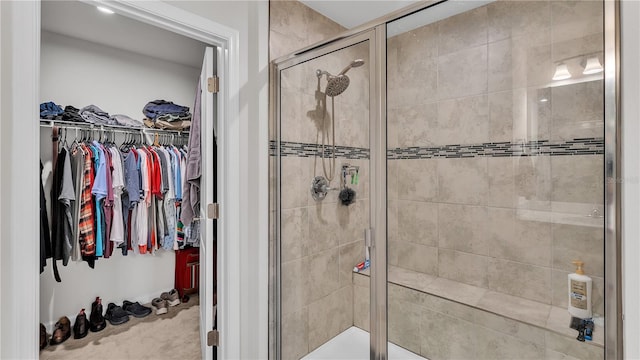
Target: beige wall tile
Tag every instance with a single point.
(414, 84)
(361, 312)
(392, 179)
(517, 329)
(414, 125)
(578, 110)
(529, 311)
(330, 316)
(324, 232)
(501, 182)
(463, 228)
(295, 182)
(495, 345)
(462, 73)
(293, 286)
(573, 19)
(416, 257)
(569, 346)
(404, 324)
(295, 234)
(392, 221)
(554, 355)
(446, 337)
(527, 281)
(417, 180)
(462, 31)
(295, 332)
(322, 274)
(418, 222)
(501, 115)
(532, 176)
(578, 243)
(461, 121)
(463, 181)
(448, 307)
(350, 256)
(518, 18)
(463, 267)
(512, 238)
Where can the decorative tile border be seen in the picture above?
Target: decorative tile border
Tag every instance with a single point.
(581, 146)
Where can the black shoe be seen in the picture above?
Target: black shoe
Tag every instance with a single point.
(135, 309)
(62, 331)
(43, 336)
(116, 314)
(96, 322)
(81, 326)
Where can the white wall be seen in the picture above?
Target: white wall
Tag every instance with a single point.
(630, 23)
(77, 72)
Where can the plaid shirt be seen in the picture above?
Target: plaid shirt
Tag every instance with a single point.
(87, 234)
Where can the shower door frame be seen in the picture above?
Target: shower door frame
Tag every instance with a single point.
(377, 195)
(375, 32)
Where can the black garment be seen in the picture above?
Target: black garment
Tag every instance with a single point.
(61, 230)
(72, 114)
(45, 235)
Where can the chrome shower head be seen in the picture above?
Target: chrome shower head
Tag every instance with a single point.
(336, 85)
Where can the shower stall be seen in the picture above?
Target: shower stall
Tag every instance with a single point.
(430, 203)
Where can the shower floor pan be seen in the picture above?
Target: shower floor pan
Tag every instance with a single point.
(353, 344)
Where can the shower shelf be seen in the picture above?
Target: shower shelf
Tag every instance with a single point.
(452, 294)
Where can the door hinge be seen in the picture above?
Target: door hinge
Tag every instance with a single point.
(213, 211)
(213, 84)
(213, 338)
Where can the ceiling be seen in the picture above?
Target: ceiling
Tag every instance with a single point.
(83, 21)
(351, 13)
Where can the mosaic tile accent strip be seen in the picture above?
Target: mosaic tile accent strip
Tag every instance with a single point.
(311, 150)
(582, 146)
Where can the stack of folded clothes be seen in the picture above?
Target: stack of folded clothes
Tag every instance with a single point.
(89, 114)
(163, 114)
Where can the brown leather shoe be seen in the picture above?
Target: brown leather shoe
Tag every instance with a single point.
(62, 331)
(43, 336)
(81, 326)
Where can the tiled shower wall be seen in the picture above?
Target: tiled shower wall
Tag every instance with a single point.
(321, 242)
(495, 173)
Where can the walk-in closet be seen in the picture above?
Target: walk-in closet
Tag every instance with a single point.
(105, 83)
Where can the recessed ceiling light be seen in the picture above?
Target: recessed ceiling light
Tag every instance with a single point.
(105, 10)
(544, 100)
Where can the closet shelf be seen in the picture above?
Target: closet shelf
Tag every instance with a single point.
(110, 128)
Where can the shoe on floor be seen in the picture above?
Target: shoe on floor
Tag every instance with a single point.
(62, 331)
(172, 297)
(135, 309)
(116, 314)
(160, 306)
(43, 336)
(96, 320)
(81, 326)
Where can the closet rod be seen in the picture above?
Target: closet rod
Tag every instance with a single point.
(110, 128)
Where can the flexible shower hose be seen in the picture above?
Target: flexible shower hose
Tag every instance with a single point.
(332, 161)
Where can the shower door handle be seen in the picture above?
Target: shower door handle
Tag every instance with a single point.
(368, 239)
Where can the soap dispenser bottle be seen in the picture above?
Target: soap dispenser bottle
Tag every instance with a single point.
(579, 292)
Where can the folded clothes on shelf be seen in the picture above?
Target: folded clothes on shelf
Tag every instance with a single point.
(124, 120)
(94, 115)
(156, 108)
(50, 110)
(72, 113)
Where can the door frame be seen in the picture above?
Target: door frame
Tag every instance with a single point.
(20, 286)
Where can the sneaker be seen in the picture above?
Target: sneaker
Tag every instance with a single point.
(116, 314)
(172, 297)
(62, 331)
(81, 326)
(135, 309)
(160, 306)
(96, 320)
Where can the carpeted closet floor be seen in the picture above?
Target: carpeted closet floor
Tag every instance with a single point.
(174, 335)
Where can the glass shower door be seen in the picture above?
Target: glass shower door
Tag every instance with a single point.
(495, 178)
(322, 208)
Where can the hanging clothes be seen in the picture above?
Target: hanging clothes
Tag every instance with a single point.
(45, 236)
